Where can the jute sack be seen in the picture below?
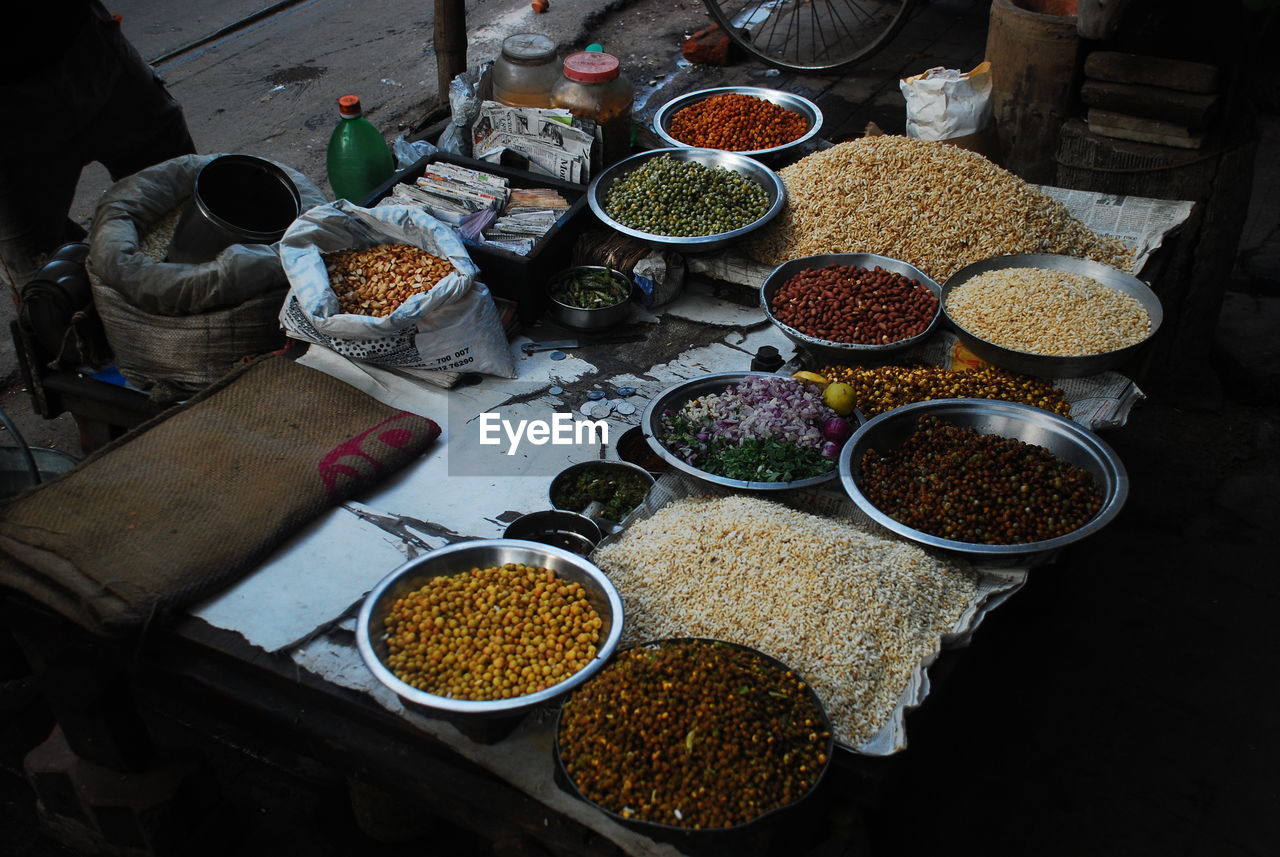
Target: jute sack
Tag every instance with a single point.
(176, 328)
(189, 502)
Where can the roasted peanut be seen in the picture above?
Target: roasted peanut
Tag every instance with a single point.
(845, 303)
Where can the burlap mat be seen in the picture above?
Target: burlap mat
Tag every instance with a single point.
(192, 500)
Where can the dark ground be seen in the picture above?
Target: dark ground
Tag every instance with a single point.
(1121, 704)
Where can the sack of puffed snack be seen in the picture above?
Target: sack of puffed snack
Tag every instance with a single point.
(390, 285)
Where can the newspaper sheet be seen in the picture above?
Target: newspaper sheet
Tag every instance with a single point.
(545, 136)
(1138, 221)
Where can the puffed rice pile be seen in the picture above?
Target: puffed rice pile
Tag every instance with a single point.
(932, 204)
(851, 612)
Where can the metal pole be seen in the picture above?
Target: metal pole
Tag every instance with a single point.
(451, 44)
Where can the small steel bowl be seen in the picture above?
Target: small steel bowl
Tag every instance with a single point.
(460, 558)
(748, 168)
(600, 318)
(675, 397)
(847, 352)
(795, 103)
(557, 527)
(1047, 365)
(607, 465)
(633, 448)
(1065, 439)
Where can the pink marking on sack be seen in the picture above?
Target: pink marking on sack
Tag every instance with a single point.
(397, 437)
(366, 454)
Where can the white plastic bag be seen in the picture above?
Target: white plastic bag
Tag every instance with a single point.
(455, 327)
(943, 103)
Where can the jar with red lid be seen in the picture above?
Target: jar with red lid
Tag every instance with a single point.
(591, 87)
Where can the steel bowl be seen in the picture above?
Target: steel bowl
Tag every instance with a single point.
(748, 168)
(633, 448)
(563, 529)
(1062, 437)
(1044, 365)
(460, 558)
(674, 398)
(706, 840)
(847, 352)
(594, 511)
(795, 103)
(599, 318)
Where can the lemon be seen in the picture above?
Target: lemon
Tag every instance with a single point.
(812, 378)
(840, 398)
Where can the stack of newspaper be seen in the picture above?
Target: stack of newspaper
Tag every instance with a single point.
(528, 216)
(546, 137)
(453, 193)
(482, 207)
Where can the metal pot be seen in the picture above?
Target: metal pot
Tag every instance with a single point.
(236, 199)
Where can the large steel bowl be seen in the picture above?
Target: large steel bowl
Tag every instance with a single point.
(847, 352)
(1045, 365)
(460, 558)
(737, 839)
(1062, 437)
(786, 100)
(748, 168)
(675, 397)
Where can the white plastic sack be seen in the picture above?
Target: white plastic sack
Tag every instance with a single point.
(455, 327)
(943, 103)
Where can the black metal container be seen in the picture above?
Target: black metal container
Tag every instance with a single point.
(236, 199)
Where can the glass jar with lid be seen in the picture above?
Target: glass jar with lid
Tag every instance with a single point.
(592, 88)
(526, 72)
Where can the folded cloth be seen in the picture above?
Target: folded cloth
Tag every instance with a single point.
(197, 497)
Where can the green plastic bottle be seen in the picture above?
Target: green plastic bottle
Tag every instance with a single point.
(358, 159)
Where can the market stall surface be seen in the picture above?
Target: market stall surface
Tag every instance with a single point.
(1118, 704)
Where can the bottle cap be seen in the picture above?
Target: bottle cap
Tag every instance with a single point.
(349, 106)
(590, 67)
(596, 48)
(528, 47)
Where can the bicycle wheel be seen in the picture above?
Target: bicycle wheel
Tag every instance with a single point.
(810, 35)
